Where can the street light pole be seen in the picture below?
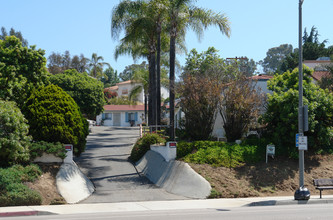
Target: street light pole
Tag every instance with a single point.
(300, 95)
(302, 193)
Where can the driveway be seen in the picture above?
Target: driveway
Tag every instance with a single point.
(116, 180)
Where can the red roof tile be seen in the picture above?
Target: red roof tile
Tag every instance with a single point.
(318, 75)
(261, 77)
(124, 107)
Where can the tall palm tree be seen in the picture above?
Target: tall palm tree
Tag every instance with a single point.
(183, 15)
(96, 65)
(138, 19)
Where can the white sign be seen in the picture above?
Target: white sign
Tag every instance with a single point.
(303, 143)
(270, 150)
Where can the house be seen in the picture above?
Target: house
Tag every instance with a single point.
(319, 68)
(121, 115)
(124, 89)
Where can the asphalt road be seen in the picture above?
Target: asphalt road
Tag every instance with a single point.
(284, 212)
(115, 178)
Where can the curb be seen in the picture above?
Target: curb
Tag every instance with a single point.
(290, 202)
(25, 213)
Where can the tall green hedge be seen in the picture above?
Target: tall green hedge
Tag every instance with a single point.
(14, 139)
(55, 117)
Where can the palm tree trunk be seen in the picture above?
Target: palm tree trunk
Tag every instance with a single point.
(172, 85)
(158, 76)
(152, 90)
(146, 105)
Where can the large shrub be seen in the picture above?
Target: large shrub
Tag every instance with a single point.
(85, 90)
(55, 117)
(281, 116)
(14, 139)
(143, 145)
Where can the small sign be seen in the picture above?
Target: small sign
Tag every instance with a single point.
(68, 147)
(270, 149)
(303, 143)
(172, 144)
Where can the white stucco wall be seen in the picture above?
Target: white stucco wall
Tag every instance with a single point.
(123, 122)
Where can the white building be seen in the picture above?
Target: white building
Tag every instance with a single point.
(121, 115)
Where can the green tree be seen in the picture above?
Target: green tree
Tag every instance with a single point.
(312, 50)
(96, 65)
(14, 139)
(22, 70)
(182, 15)
(12, 32)
(274, 58)
(281, 116)
(54, 117)
(85, 90)
(111, 77)
(58, 63)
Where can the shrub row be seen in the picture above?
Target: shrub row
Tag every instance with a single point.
(218, 153)
(13, 192)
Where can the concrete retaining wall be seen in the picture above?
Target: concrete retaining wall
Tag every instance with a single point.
(174, 176)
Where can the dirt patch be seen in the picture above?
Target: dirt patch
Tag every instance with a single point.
(280, 177)
(46, 185)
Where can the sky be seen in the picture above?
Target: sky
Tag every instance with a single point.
(83, 26)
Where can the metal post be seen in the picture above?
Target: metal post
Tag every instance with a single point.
(300, 94)
(302, 193)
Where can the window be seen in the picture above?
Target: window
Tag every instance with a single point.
(107, 116)
(130, 116)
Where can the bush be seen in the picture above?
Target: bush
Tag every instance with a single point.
(55, 117)
(18, 194)
(143, 145)
(38, 148)
(12, 190)
(218, 153)
(14, 139)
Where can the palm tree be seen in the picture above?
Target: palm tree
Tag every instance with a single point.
(138, 19)
(141, 76)
(183, 15)
(96, 65)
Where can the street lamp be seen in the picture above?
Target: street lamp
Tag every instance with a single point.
(302, 193)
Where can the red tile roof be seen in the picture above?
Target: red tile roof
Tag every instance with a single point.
(261, 77)
(124, 107)
(318, 75)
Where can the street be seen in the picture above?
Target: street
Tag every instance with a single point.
(285, 212)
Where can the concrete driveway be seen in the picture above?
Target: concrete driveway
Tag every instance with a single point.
(116, 180)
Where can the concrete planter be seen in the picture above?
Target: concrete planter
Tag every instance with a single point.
(168, 152)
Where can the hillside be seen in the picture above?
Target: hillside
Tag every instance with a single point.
(279, 177)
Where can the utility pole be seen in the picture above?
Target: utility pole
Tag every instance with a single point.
(302, 193)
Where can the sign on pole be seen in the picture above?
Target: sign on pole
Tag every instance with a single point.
(301, 142)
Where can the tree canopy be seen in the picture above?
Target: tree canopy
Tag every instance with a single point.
(281, 116)
(85, 90)
(22, 70)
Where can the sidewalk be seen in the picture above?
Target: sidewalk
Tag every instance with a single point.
(158, 205)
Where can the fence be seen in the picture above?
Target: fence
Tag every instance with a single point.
(152, 128)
